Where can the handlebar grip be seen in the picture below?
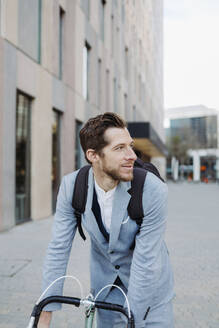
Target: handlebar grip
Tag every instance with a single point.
(118, 308)
(110, 306)
(52, 299)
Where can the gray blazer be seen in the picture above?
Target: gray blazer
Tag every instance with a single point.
(145, 272)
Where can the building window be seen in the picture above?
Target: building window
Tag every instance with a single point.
(78, 149)
(102, 18)
(86, 61)
(85, 5)
(139, 87)
(112, 35)
(29, 27)
(107, 91)
(23, 173)
(134, 113)
(126, 62)
(61, 38)
(123, 11)
(99, 82)
(115, 95)
(118, 35)
(143, 93)
(39, 29)
(136, 80)
(56, 155)
(126, 107)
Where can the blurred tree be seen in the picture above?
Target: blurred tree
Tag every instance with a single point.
(177, 147)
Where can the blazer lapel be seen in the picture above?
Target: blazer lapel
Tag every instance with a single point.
(89, 220)
(120, 204)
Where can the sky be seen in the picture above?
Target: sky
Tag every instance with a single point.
(191, 53)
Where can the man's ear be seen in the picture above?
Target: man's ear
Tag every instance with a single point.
(91, 155)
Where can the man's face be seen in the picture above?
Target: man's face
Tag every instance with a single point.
(117, 158)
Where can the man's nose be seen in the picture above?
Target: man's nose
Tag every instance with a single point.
(131, 154)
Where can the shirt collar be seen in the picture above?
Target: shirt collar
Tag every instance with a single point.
(102, 192)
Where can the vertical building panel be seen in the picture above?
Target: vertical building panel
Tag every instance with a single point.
(42, 147)
(68, 134)
(1, 130)
(9, 117)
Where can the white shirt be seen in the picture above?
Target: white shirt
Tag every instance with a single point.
(105, 200)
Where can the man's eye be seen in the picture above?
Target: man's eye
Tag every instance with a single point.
(119, 148)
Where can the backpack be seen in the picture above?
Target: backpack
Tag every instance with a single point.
(135, 207)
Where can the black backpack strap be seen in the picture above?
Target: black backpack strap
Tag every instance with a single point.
(79, 198)
(135, 206)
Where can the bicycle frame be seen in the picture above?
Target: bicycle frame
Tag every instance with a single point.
(89, 317)
(88, 303)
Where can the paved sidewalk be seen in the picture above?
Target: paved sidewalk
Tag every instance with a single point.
(193, 241)
(22, 251)
(192, 238)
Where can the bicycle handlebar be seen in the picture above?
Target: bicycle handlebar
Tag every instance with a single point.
(35, 315)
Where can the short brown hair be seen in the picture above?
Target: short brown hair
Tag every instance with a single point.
(92, 134)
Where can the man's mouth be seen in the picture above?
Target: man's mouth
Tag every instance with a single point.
(128, 166)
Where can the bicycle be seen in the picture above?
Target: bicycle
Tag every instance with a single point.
(90, 303)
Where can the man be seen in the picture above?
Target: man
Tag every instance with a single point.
(143, 273)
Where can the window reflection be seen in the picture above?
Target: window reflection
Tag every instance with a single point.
(78, 149)
(22, 157)
(55, 156)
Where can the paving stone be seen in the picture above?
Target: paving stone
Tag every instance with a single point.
(9, 268)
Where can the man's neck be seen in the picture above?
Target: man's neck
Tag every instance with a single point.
(104, 181)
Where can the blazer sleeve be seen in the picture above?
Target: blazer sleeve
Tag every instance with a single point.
(64, 228)
(147, 256)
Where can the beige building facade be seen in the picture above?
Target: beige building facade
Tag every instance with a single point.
(61, 62)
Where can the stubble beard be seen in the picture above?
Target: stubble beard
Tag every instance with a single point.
(113, 174)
